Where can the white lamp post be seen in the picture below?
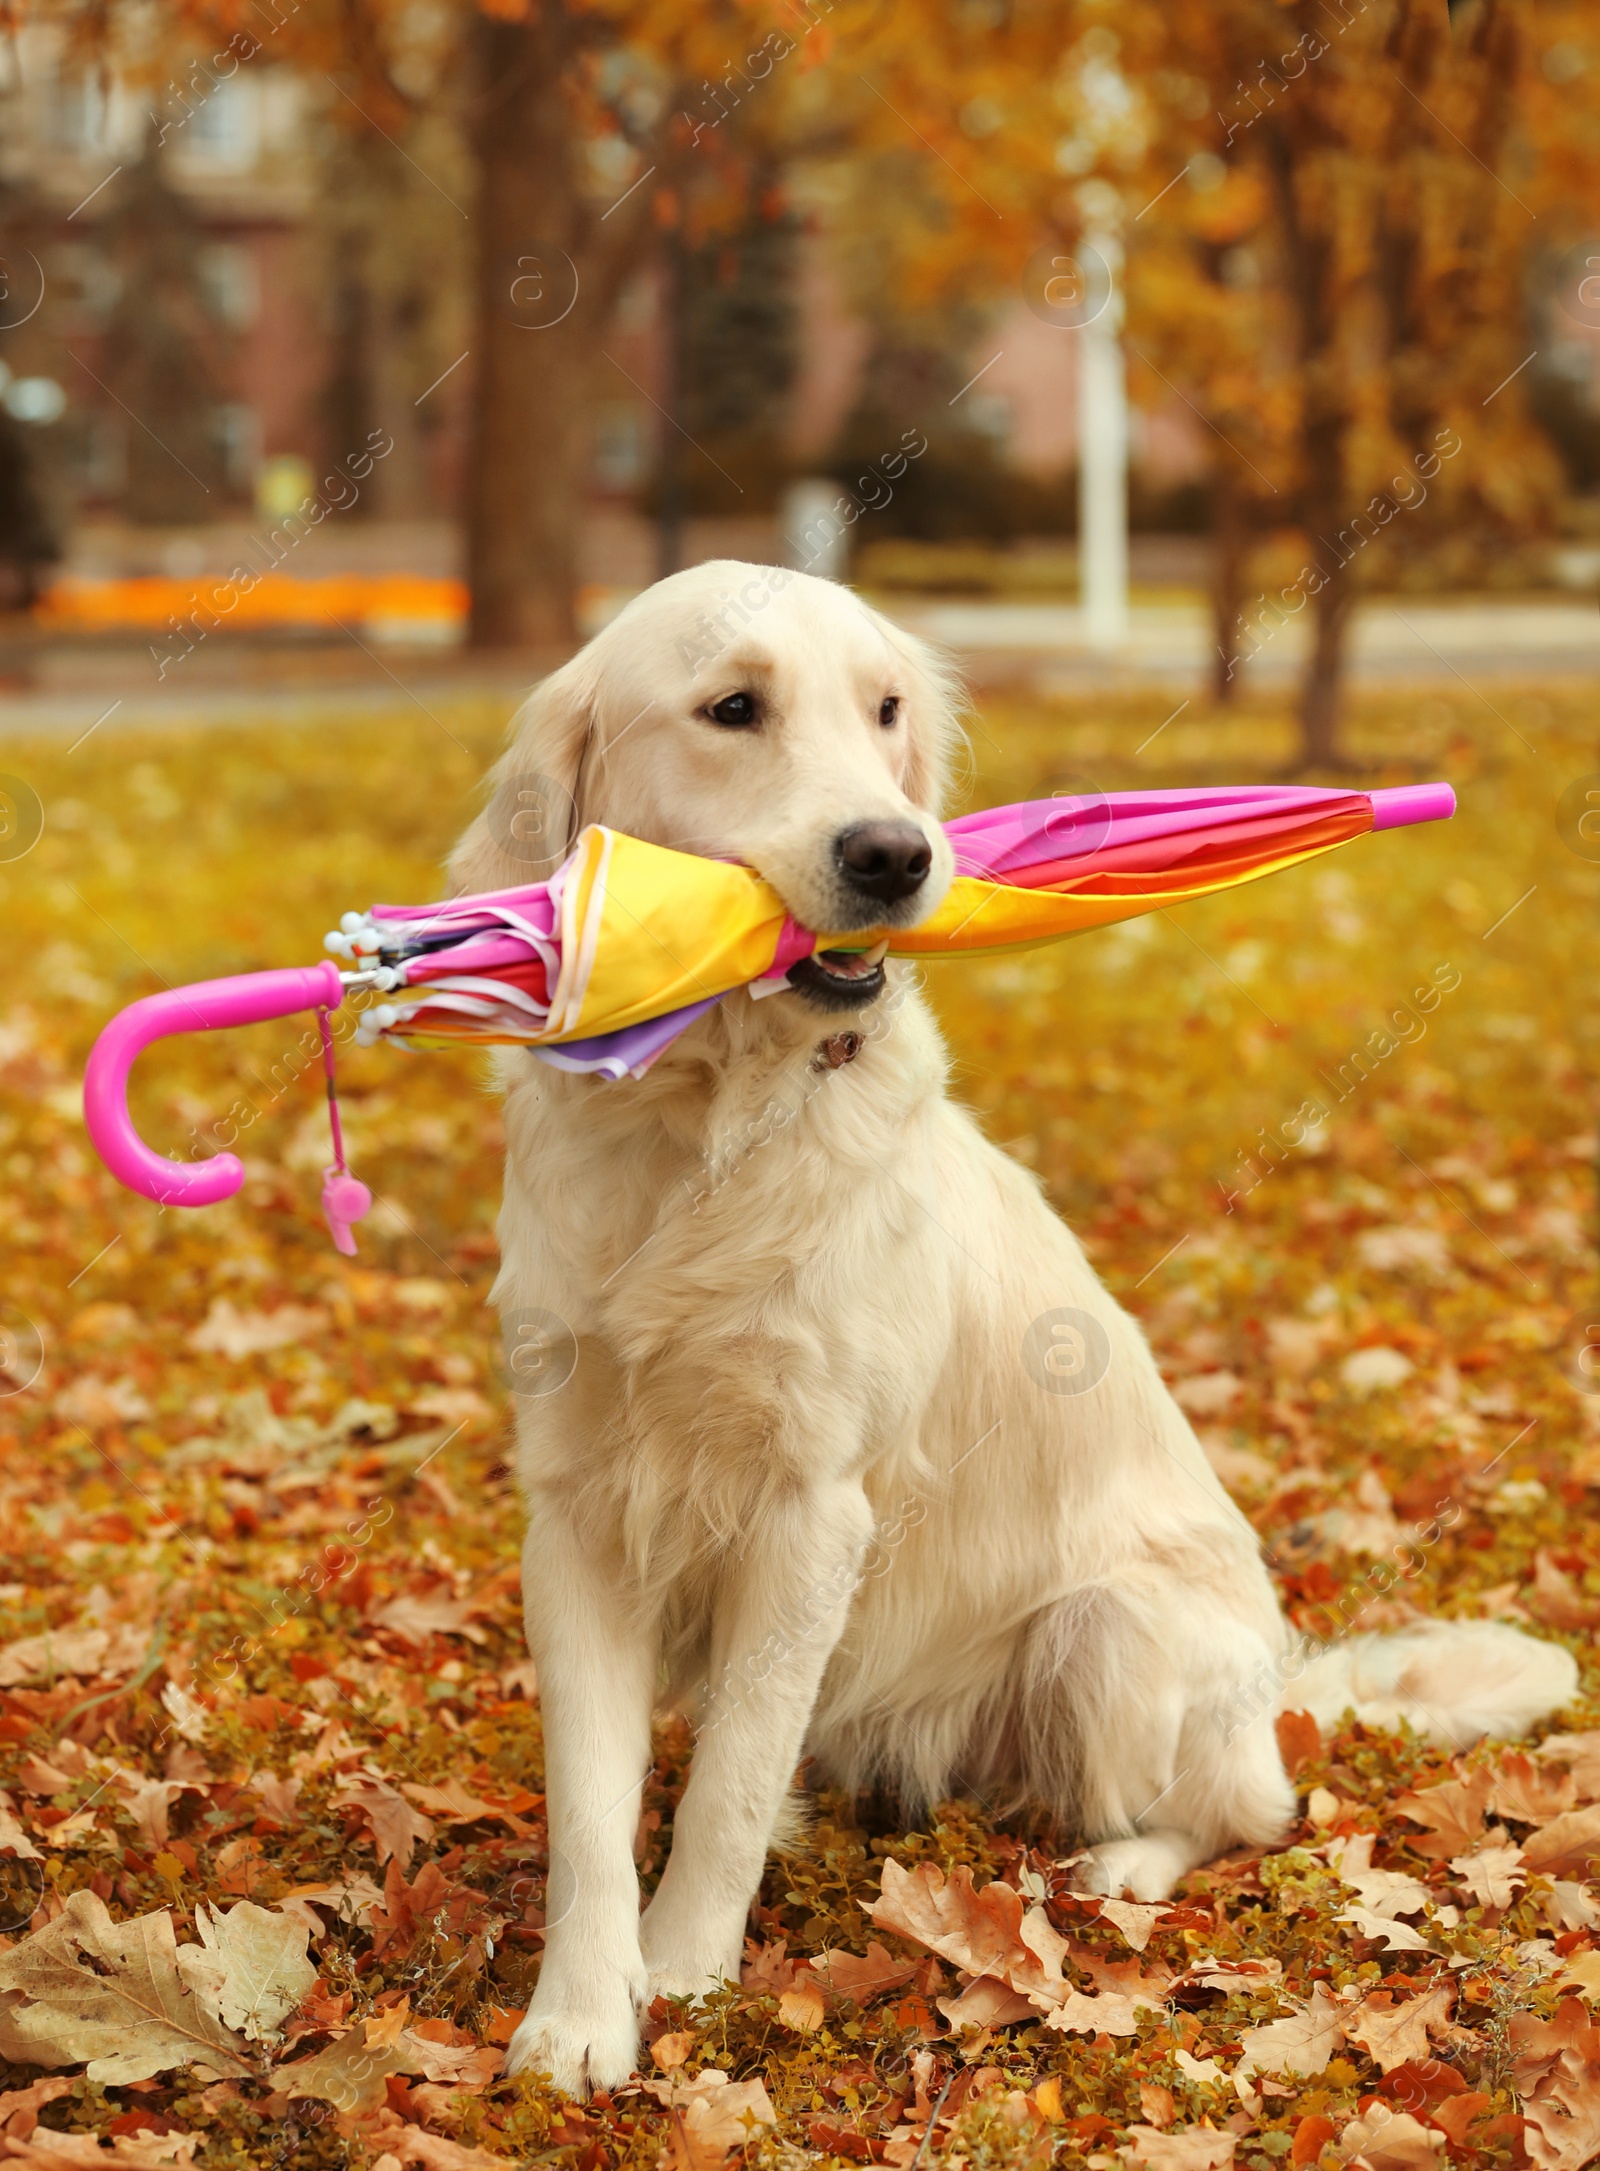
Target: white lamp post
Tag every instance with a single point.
(1103, 464)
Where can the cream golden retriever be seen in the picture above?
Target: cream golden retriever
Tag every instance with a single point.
(858, 1460)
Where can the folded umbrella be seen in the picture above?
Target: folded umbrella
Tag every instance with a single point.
(602, 966)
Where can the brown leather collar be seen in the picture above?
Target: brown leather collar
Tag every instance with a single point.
(834, 1053)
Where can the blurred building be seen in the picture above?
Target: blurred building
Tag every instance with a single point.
(180, 269)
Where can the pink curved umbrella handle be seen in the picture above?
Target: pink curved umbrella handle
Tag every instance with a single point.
(205, 1007)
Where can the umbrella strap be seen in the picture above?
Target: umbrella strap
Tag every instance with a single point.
(333, 1093)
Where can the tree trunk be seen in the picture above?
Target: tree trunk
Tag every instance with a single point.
(671, 487)
(1228, 542)
(535, 356)
(1322, 691)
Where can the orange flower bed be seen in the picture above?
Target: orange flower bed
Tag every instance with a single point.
(153, 601)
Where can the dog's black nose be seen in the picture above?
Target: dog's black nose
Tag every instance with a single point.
(886, 860)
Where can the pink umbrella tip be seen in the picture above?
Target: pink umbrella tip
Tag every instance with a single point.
(1402, 804)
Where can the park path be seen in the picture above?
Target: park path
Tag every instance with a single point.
(1038, 647)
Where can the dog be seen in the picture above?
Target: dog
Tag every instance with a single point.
(852, 1455)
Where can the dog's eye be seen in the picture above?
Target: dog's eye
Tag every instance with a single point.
(735, 710)
(888, 710)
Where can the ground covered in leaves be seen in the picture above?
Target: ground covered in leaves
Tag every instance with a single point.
(272, 1836)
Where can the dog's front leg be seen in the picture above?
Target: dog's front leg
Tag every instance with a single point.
(597, 1672)
(777, 1620)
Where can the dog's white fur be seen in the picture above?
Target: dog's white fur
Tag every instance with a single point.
(813, 1474)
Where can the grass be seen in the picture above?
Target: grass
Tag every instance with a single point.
(1187, 1090)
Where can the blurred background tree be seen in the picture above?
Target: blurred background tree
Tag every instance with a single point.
(1382, 173)
(1347, 228)
(165, 348)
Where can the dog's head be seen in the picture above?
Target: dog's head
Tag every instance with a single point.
(746, 713)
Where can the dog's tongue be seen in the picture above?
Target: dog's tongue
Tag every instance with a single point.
(852, 964)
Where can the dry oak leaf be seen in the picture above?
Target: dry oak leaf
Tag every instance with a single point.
(125, 1996)
(265, 1972)
(352, 1901)
(989, 2003)
(454, 1804)
(149, 1802)
(1581, 1753)
(20, 2107)
(1561, 2123)
(440, 2051)
(279, 1797)
(802, 2006)
(1196, 2148)
(35, 1776)
(188, 1714)
(1491, 1874)
(1302, 2042)
(848, 1975)
(353, 2073)
(458, 1910)
(1392, 1935)
(81, 1652)
(711, 2116)
(1582, 1974)
(13, 1839)
(1388, 2140)
(1527, 1794)
(1233, 1977)
(332, 1746)
(231, 1333)
(1206, 2071)
(980, 1933)
(1080, 2014)
(49, 2151)
(522, 1679)
(1454, 1811)
(767, 1969)
(1539, 2043)
(1378, 1891)
(417, 1616)
(1567, 1843)
(395, 1825)
(1132, 1921)
(1125, 1991)
(1394, 2034)
(1125, 1977)
(1157, 2103)
(1557, 2075)
(436, 2152)
(73, 1831)
(1555, 1599)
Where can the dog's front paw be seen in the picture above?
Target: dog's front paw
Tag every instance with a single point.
(1146, 1868)
(676, 1980)
(688, 1958)
(580, 2050)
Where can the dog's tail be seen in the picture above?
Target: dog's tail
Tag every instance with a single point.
(1453, 1681)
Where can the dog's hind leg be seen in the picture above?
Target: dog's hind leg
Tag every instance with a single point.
(1144, 1733)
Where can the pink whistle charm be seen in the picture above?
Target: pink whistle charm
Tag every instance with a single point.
(345, 1198)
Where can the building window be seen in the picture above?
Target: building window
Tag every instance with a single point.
(76, 114)
(86, 282)
(229, 283)
(225, 130)
(620, 447)
(94, 452)
(237, 429)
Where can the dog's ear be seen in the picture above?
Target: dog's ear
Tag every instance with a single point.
(534, 809)
(938, 701)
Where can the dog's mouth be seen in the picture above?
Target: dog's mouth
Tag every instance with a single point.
(840, 979)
